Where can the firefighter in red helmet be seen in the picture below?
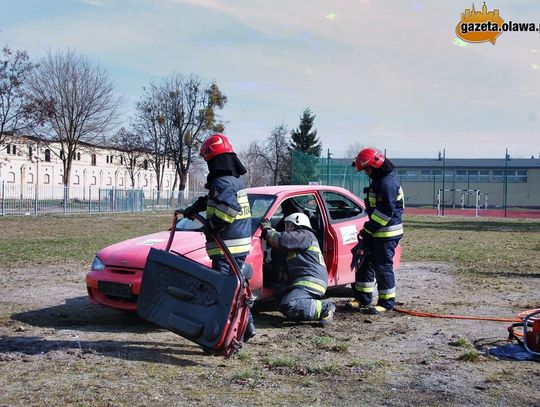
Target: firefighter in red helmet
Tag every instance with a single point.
(226, 205)
(380, 235)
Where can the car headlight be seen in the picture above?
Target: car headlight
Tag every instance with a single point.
(97, 264)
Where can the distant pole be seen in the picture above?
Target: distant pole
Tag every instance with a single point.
(443, 168)
(505, 192)
(328, 155)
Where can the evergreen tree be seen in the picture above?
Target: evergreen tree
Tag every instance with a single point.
(304, 139)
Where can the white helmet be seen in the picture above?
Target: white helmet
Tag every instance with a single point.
(299, 219)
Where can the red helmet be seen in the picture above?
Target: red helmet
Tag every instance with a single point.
(214, 145)
(368, 157)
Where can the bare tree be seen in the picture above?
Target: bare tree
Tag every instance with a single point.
(274, 153)
(16, 111)
(174, 117)
(78, 99)
(190, 115)
(150, 124)
(257, 173)
(130, 150)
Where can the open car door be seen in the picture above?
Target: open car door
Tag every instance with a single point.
(205, 306)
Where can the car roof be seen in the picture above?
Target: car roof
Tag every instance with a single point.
(284, 189)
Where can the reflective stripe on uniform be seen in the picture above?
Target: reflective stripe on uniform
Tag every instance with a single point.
(318, 309)
(212, 210)
(245, 211)
(235, 246)
(366, 287)
(372, 198)
(400, 195)
(310, 284)
(380, 217)
(387, 294)
(317, 250)
(389, 231)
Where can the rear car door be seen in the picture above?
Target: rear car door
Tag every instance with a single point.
(194, 301)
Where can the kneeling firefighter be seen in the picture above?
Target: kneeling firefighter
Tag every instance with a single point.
(227, 207)
(308, 277)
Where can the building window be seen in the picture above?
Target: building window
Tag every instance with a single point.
(109, 181)
(461, 175)
(521, 176)
(11, 149)
(8, 149)
(107, 159)
(11, 177)
(94, 159)
(76, 180)
(93, 180)
(61, 180)
(46, 179)
(78, 156)
(30, 152)
(30, 178)
(145, 164)
(121, 182)
(145, 182)
(47, 155)
(122, 160)
(483, 176)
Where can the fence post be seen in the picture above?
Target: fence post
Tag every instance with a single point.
(66, 192)
(89, 199)
(2, 206)
(36, 199)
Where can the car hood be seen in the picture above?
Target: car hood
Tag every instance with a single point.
(132, 253)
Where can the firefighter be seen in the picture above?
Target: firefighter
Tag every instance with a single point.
(306, 269)
(380, 234)
(227, 207)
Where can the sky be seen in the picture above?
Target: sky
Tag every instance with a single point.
(385, 74)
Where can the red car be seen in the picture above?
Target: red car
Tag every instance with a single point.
(336, 216)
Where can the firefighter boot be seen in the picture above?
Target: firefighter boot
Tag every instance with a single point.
(327, 315)
(356, 305)
(373, 310)
(250, 331)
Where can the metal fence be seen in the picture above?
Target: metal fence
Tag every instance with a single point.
(34, 200)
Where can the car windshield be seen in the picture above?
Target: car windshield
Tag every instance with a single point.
(259, 205)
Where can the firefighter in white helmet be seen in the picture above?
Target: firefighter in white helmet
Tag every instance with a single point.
(308, 277)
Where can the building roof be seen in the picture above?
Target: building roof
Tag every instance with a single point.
(402, 163)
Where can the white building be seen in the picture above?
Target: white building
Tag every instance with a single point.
(27, 162)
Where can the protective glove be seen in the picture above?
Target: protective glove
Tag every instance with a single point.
(266, 227)
(358, 255)
(189, 212)
(364, 236)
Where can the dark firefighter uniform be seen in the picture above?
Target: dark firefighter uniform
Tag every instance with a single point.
(381, 234)
(308, 277)
(228, 212)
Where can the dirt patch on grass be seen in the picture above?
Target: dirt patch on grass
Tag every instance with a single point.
(57, 349)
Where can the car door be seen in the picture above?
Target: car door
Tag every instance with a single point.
(346, 217)
(194, 301)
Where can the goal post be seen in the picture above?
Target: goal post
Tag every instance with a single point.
(463, 193)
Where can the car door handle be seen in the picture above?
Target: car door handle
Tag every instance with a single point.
(179, 293)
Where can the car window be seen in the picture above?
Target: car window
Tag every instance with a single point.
(340, 207)
(188, 224)
(259, 205)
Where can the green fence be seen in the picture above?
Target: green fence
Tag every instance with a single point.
(307, 168)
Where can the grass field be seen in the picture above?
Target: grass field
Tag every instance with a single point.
(482, 246)
(58, 349)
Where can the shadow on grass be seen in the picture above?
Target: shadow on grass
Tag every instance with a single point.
(79, 314)
(157, 352)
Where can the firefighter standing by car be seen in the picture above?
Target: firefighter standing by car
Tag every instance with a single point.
(227, 207)
(306, 269)
(380, 235)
